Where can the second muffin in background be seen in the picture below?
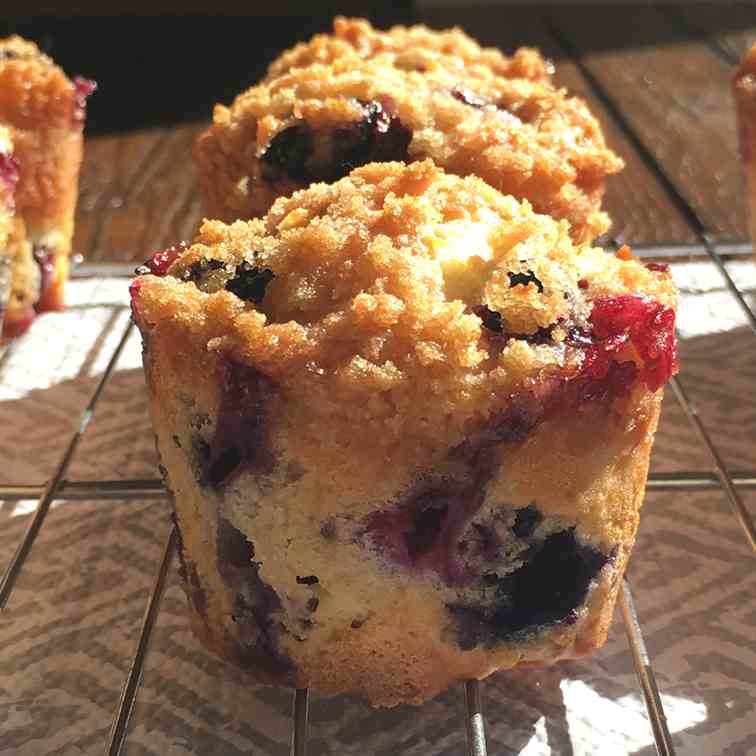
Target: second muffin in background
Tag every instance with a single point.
(315, 123)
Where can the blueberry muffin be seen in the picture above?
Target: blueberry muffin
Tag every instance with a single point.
(44, 112)
(522, 136)
(406, 423)
(414, 48)
(744, 90)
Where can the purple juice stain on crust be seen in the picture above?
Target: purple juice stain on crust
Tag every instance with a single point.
(425, 529)
(548, 589)
(9, 173)
(84, 88)
(241, 439)
(256, 605)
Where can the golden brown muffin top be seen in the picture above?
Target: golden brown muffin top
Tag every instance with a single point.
(400, 301)
(524, 137)
(413, 47)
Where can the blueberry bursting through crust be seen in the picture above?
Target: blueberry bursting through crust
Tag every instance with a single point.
(304, 155)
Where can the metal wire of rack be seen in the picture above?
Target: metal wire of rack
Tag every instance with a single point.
(58, 488)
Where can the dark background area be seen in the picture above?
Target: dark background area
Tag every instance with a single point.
(156, 68)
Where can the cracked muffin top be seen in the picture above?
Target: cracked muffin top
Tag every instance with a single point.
(411, 302)
(412, 48)
(523, 137)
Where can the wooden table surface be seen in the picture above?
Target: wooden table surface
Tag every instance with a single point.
(657, 78)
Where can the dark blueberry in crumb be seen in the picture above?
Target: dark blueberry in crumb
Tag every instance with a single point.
(237, 551)
(198, 270)
(658, 267)
(307, 580)
(494, 322)
(303, 155)
(548, 589)
(328, 529)
(527, 520)
(312, 604)
(491, 319)
(541, 336)
(250, 282)
(224, 465)
(552, 584)
(523, 279)
(176, 441)
(357, 624)
(288, 153)
(241, 433)
(256, 606)
(469, 97)
(583, 283)
(378, 137)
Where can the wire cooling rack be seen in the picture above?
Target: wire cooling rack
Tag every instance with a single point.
(58, 488)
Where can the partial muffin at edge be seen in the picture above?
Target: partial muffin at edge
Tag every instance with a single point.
(44, 111)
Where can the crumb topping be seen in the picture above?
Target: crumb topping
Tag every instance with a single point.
(412, 48)
(522, 136)
(406, 299)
